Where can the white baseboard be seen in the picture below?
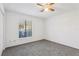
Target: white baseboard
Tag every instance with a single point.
(63, 43)
(15, 43)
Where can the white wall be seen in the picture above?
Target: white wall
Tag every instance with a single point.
(1, 33)
(1, 28)
(12, 22)
(64, 29)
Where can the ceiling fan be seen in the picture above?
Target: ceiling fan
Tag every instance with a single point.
(46, 6)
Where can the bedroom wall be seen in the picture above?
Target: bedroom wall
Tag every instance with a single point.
(1, 33)
(1, 27)
(64, 29)
(12, 22)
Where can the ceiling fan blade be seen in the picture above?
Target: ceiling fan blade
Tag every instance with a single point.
(52, 9)
(39, 4)
(51, 3)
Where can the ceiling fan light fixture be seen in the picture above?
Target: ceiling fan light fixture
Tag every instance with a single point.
(46, 9)
(46, 6)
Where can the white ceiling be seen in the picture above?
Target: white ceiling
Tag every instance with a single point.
(32, 9)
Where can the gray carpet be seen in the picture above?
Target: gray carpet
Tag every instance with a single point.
(41, 48)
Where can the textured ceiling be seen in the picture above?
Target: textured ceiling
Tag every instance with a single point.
(32, 9)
